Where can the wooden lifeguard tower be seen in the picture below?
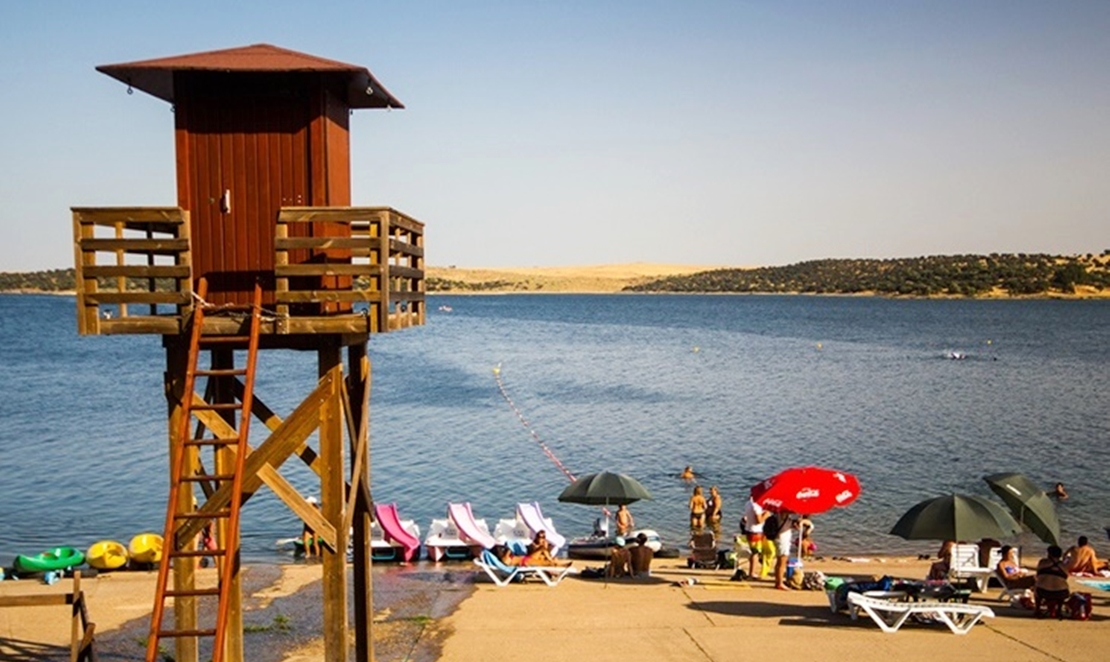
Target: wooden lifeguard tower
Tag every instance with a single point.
(263, 251)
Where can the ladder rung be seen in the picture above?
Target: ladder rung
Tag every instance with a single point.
(217, 406)
(199, 552)
(192, 592)
(221, 372)
(186, 633)
(197, 514)
(213, 441)
(200, 478)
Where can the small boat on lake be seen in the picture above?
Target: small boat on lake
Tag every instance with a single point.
(57, 558)
(597, 548)
(393, 538)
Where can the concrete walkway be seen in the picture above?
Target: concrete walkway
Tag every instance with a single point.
(717, 620)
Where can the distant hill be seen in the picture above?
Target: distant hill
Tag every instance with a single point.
(954, 275)
(55, 280)
(998, 275)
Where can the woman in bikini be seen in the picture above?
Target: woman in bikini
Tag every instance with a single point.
(698, 507)
(1012, 572)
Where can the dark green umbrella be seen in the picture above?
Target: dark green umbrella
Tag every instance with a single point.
(605, 489)
(956, 517)
(1029, 504)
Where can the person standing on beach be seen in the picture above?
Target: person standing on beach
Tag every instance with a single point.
(752, 525)
(782, 548)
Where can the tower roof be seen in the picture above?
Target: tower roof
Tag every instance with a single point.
(155, 77)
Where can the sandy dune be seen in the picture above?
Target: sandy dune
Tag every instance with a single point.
(596, 278)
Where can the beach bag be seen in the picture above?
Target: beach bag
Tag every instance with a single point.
(771, 526)
(1079, 606)
(796, 581)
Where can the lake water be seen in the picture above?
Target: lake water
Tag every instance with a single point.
(739, 387)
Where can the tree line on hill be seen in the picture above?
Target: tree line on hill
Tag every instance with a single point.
(940, 275)
(943, 275)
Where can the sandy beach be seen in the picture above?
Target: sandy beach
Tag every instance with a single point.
(450, 612)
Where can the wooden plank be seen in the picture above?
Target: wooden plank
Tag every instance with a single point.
(405, 248)
(331, 214)
(356, 395)
(88, 316)
(137, 271)
(407, 296)
(49, 600)
(405, 272)
(309, 296)
(174, 298)
(332, 485)
(319, 243)
(342, 324)
(136, 246)
(171, 215)
(168, 325)
(324, 269)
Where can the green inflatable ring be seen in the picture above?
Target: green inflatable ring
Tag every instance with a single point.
(58, 558)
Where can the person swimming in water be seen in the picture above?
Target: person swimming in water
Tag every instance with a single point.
(687, 473)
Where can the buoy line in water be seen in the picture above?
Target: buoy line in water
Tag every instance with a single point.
(528, 426)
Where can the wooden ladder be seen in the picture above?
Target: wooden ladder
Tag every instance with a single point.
(181, 512)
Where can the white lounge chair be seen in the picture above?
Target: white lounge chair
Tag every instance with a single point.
(963, 564)
(503, 575)
(889, 615)
(1008, 593)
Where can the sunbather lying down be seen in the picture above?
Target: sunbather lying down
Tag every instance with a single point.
(541, 558)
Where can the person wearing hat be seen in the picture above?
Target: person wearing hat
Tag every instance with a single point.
(309, 542)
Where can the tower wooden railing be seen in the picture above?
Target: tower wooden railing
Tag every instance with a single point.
(377, 260)
(133, 269)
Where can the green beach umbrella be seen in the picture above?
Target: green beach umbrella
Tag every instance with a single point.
(605, 489)
(956, 517)
(1029, 504)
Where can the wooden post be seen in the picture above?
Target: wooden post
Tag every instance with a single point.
(184, 569)
(358, 401)
(224, 359)
(332, 484)
(75, 624)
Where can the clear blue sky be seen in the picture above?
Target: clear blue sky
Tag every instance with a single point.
(588, 132)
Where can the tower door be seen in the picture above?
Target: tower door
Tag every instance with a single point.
(243, 153)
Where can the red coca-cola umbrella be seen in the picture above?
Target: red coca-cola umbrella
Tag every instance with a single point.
(807, 490)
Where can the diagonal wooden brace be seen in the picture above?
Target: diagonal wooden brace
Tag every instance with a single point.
(261, 466)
